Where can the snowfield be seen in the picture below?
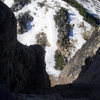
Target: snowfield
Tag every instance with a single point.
(44, 22)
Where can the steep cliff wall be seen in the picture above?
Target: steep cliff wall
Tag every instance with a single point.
(22, 68)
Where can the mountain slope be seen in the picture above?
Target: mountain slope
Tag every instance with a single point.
(82, 62)
(43, 13)
(19, 63)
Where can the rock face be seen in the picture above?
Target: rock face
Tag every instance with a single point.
(84, 66)
(22, 68)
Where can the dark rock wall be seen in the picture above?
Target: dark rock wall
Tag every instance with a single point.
(22, 68)
(8, 36)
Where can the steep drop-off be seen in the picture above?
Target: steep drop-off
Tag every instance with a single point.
(22, 68)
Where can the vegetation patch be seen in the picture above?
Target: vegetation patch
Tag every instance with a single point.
(41, 4)
(19, 4)
(62, 21)
(59, 60)
(87, 17)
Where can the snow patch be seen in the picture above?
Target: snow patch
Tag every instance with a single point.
(9, 3)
